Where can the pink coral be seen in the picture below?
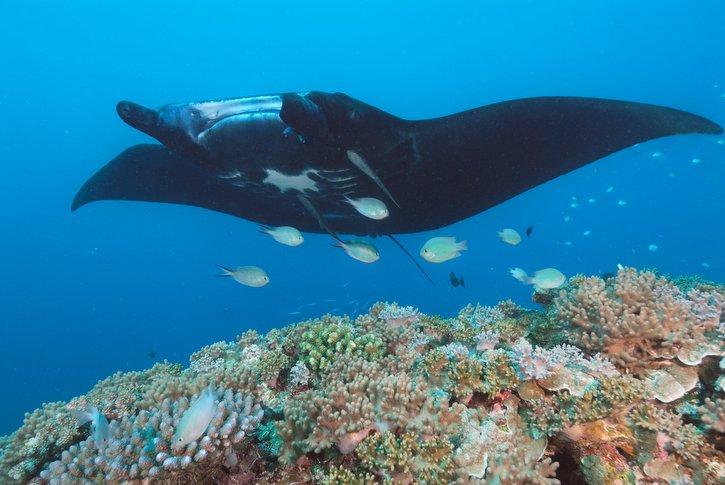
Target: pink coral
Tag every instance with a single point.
(638, 319)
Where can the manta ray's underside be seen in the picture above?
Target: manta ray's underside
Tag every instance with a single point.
(293, 159)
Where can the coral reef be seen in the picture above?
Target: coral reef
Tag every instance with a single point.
(615, 380)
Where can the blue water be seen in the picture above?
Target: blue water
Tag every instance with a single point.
(84, 295)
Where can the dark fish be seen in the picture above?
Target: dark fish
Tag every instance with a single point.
(608, 275)
(456, 281)
(151, 354)
(529, 230)
(237, 156)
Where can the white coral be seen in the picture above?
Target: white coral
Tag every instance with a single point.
(299, 375)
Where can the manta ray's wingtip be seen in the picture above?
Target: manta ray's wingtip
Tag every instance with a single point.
(702, 125)
(713, 128)
(81, 198)
(686, 122)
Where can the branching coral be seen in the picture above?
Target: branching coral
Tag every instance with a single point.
(638, 320)
(140, 446)
(330, 339)
(615, 379)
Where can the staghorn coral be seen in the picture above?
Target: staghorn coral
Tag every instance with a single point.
(616, 379)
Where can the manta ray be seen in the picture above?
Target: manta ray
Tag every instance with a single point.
(295, 159)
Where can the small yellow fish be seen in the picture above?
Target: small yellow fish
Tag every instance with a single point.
(247, 275)
(369, 207)
(544, 279)
(510, 236)
(360, 250)
(196, 419)
(287, 235)
(441, 249)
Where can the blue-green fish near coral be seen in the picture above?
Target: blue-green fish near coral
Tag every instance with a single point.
(196, 419)
(99, 423)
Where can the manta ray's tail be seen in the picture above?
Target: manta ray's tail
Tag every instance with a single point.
(410, 256)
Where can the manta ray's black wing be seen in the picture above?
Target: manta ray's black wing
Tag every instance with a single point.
(459, 165)
(153, 173)
(436, 171)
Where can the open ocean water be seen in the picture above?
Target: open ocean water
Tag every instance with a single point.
(116, 286)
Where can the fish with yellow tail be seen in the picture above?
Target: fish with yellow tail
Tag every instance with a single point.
(196, 419)
(442, 249)
(544, 279)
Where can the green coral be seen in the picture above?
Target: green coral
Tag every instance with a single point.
(544, 329)
(597, 472)
(498, 372)
(459, 375)
(693, 282)
(337, 475)
(270, 442)
(271, 364)
(394, 457)
(386, 453)
(464, 377)
(324, 342)
(564, 410)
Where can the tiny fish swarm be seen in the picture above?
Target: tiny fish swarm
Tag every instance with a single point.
(615, 380)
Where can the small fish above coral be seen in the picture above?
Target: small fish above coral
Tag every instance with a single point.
(456, 281)
(543, 279)
(442, 249)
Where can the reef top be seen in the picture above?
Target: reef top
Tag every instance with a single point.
(615, 380)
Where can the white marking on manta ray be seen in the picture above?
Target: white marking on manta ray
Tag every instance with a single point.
(237, 119)
(214, 110)
(285, 182)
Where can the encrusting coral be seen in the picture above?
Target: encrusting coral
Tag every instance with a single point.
(615, 380)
